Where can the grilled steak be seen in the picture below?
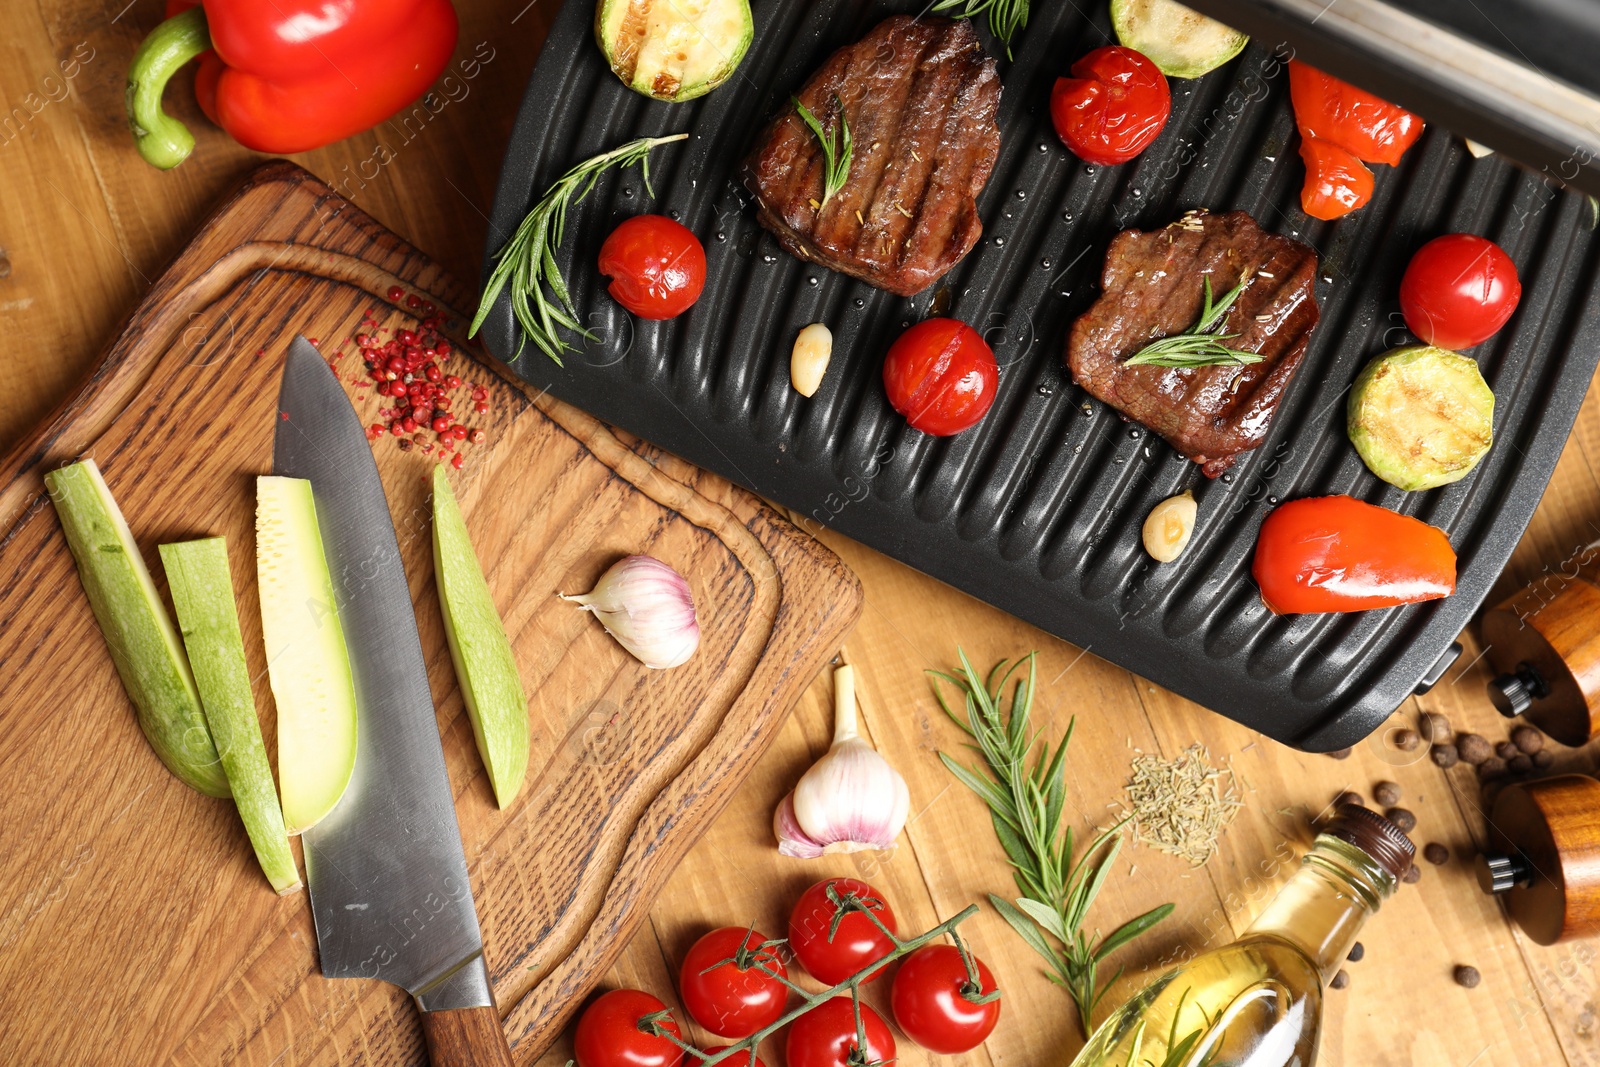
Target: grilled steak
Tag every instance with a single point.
(920, 97)
(1153, 286)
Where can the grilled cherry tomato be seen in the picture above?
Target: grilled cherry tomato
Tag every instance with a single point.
(609, 1035)
(941, 375)
(1458, 290)
(834, 955)
(826, 1035)
(736, 998)
(933, 1000)
(1113, 106)
(1336, 553)
(1368, 127)
(657, 267)
(1336, 182)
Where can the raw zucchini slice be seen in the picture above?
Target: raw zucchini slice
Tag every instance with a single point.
(673, 50)
(1421, 417)
(143, 643)
(307, 661)
(1182, 42)
(479, 647)
(202, 594)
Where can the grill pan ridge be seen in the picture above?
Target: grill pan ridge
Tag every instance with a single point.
(1038, 508)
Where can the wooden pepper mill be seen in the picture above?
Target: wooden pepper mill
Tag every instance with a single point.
(1544, 644)
(1543, 856)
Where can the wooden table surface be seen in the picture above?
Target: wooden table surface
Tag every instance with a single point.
(85, 226)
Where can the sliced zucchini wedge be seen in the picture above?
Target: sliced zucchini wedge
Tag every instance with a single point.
(673, 50)
(1421, 416)
(1181, 41)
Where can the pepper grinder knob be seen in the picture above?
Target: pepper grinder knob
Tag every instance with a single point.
(1501, 874)
(1513, 694)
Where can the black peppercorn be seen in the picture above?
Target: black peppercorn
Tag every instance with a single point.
(1436, 728)
(1542, 758)
(1527, 739)
(1506, 750)
(1348, 797)
(1520, 764)
(1492, 767)
(1386, 793)
(1339, 980)
(1357, 950)
(1340, 753)
(1436, 854)
(1407, 740)
(1467, 977)
(1412, 876)
(1444, 755)
(1402, 818)
(1474, 748)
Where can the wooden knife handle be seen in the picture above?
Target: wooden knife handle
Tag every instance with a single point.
(466, 1037)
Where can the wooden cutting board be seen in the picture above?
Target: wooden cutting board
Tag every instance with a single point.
(135, 925)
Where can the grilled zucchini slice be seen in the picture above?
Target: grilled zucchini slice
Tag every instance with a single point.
(1182, 42)
(1421, 416)
(673, 50)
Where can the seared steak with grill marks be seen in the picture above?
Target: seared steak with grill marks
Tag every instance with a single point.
(920, 97)
(1153, 286)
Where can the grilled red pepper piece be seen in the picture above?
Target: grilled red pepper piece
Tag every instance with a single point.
(1343, 127)
(1336, 553)
(290, 75)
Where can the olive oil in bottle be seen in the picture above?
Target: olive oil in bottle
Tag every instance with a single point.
(1258, 1001)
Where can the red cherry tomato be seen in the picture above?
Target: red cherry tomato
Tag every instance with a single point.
(728, 999)
(748, 1059)
(1458, 290)
(854, 945)
(1336, 182)
(1113, 106)
(941, 375)
(825, 1036)
(609, 1035)
(930, 1003)
(657, 267)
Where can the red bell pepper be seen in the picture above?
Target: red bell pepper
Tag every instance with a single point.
(287, 76)
(1336, 553)
(1343, 127)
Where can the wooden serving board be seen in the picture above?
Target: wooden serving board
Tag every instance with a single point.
(135, 925)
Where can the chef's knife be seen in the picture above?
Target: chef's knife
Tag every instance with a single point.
(389, 888)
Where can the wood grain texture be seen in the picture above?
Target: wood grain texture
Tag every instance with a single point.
(87, 227)
(107, 861)
(466, 1037)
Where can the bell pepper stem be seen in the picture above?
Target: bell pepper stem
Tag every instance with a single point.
(162, 140)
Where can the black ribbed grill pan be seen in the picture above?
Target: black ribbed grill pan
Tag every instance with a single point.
(1038, 509)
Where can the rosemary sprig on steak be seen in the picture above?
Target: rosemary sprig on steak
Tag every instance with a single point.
(837, 150)
(1200, 345)
(528, 261)
(1006, 17)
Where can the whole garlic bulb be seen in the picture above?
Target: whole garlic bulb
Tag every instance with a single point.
(849, 800)
(647, 607)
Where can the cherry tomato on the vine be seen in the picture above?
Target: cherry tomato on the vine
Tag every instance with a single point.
(657, 266)
(1458, 290)
(854, 945)
(931, 1004)
(1113, 106)
(941, 375)
(825, 1036)
(738, 997)
(609, 1033)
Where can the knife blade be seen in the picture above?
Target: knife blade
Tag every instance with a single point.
(389, 888)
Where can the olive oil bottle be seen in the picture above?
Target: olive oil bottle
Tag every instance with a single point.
(1258, 1001)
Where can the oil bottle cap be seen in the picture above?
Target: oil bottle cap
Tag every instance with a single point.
(1379, 838)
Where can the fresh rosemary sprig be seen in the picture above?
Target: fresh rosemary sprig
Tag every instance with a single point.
(1026, 794)
(528, 261)
(837, 150)
(1006, 17)
(1200, 345)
